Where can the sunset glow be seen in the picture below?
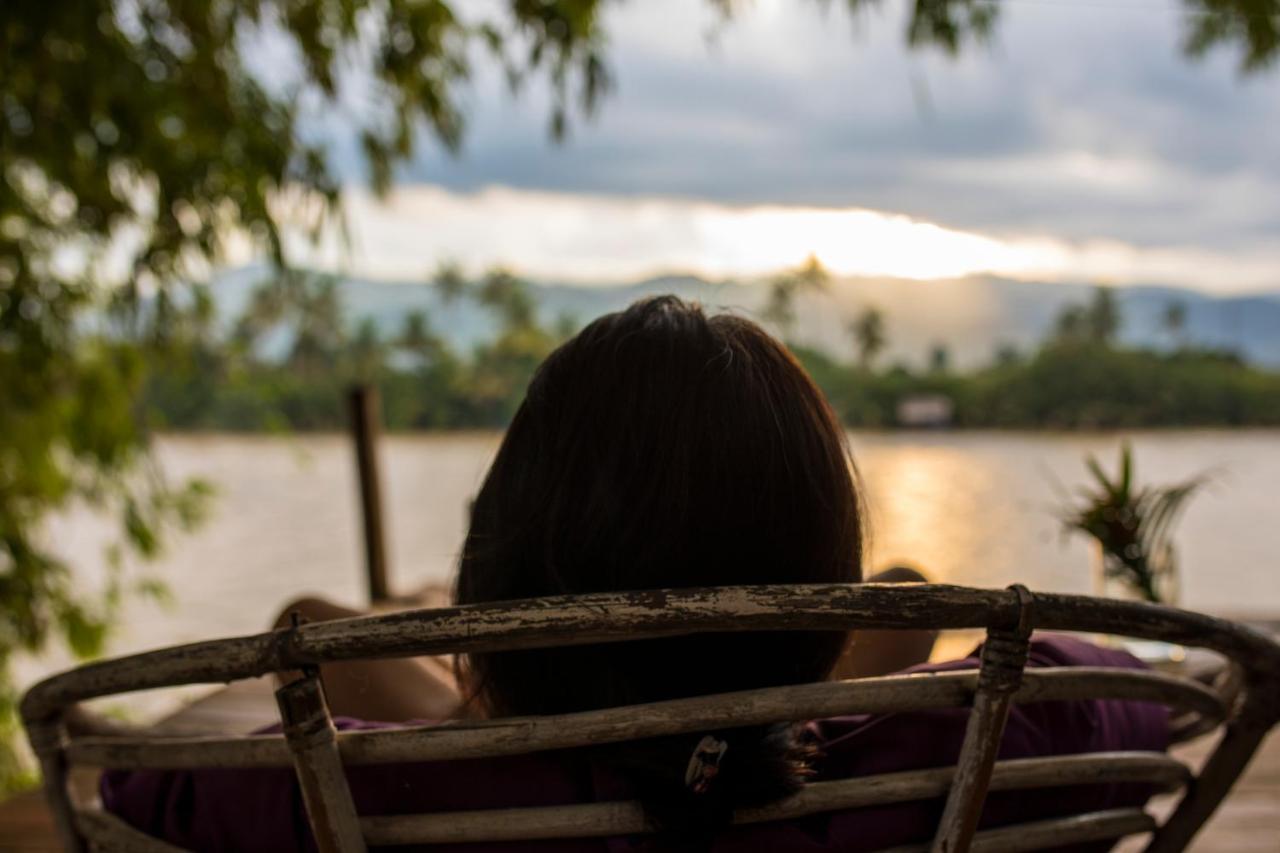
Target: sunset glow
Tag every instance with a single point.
(603, 239)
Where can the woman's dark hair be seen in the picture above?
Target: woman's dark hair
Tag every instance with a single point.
(664, 448)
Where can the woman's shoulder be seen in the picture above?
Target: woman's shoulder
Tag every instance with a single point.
(862, 744)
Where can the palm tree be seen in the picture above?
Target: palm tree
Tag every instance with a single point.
(1103, 316)
(306, 306)
(504, 293)
(414, 334)
(367, 352)
(266, 308)
(939, 358)
(1006, 355)
(1174, 320)
(449, 282)
(1095, 323)
(417, 339)
(812, 275)
(809, 277)
(868, 333)
(316, 310)
(1070, 324)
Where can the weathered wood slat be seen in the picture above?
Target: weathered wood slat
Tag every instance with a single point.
(48, 742)
(666, 613)
(309, 732)
(1219, 773)
(1058, 832)
(559, 620)
(110, 834)
(613, 617)
(1004, 656)
(596, 820)
(751, 707)
(972, 779)
(1078, 829)
(1144, 620)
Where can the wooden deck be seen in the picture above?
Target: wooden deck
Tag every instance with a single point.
(1249, 821)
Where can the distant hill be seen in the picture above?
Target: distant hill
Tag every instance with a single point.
(972, 317)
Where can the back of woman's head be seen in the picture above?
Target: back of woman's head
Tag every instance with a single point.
(662, 448)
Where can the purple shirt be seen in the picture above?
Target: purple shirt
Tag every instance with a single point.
(262, 809)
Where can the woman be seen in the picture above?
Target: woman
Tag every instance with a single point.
(658, 448)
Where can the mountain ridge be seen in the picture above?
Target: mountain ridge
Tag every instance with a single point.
(972, 317)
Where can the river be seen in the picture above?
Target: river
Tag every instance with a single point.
(968, 507)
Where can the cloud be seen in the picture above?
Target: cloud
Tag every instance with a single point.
(1081, 125)
(603, 239)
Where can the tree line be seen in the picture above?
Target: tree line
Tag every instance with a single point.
(1080, 376)
(289, 356)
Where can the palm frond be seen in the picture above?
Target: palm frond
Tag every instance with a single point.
(1133, 525)
(1126, 471)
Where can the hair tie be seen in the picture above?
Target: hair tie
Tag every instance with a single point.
(704, 764)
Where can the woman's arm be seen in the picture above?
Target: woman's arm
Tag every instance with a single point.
(393, 690)
(872, 653)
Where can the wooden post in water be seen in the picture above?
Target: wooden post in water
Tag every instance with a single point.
(365, 419)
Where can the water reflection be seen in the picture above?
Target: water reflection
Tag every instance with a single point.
(923, 506)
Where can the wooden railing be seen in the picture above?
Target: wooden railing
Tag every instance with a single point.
(318, 753)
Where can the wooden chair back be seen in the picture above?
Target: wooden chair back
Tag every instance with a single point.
(318, 753)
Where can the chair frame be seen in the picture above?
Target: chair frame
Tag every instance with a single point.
(318, 753)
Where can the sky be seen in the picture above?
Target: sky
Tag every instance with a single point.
(1079, 145)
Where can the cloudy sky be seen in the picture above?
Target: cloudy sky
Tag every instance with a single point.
(1080, 145)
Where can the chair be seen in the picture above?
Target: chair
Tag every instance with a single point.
(311, 745)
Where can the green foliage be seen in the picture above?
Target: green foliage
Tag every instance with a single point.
(1078, 379)
(425, 384)
(1133, 526)
(1075, 386)
(135, 142)
(1097, 323)
(1070, 382)
(1252, 27)
(867, 331)
(1174, 320)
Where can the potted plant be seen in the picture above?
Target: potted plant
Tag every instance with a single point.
(1131, 528)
